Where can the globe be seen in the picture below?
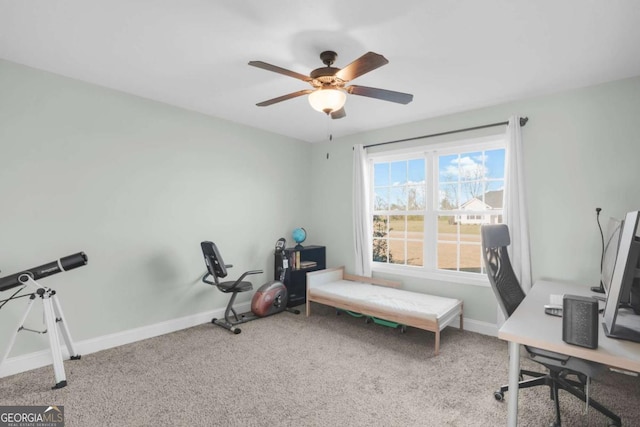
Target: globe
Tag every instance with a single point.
(299, 235)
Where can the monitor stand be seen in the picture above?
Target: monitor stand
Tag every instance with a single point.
(626, 327)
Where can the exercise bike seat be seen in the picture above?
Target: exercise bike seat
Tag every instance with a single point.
(234, 286)
(217, 269)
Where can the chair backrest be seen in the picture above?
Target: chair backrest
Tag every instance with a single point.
(213, 259)
(495, 239)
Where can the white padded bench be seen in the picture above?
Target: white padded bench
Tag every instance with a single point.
(382, 299)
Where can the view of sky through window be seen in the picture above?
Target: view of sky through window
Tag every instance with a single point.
(465, 176)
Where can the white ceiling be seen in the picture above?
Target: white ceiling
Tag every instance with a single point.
(453, 55)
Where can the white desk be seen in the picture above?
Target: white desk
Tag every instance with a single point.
(529, 325)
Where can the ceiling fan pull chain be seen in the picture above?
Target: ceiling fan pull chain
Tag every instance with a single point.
(329, 133)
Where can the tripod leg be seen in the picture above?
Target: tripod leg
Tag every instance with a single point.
(12, 340)
(54, 342)
(62, 323)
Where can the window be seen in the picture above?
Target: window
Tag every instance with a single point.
(428, 204)
(399, 206)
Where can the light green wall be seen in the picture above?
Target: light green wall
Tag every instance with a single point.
(137, 185)
(581, 150)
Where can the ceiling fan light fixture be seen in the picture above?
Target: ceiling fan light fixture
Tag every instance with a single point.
(327, 100)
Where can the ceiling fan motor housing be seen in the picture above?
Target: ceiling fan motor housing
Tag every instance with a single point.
(325, 77)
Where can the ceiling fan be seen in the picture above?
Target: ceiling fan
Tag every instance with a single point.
(329, 83)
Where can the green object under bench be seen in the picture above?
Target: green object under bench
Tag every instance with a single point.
(383, 322)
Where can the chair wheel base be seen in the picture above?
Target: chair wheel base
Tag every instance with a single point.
(498, 395)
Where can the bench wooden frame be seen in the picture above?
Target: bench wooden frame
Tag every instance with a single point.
(331, 275)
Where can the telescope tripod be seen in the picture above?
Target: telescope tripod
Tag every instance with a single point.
(53, 319)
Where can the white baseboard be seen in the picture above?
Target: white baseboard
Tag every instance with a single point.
(27, 362)
(471, 325)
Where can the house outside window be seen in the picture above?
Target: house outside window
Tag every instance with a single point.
(428, 204)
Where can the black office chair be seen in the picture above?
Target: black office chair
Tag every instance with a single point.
(217, 268)
(495, 239)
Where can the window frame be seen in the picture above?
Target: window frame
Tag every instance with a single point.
(431, 152)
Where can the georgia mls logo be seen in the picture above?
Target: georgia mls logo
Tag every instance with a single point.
(53, 408)
(31, 416)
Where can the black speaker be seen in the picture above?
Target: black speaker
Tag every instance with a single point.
(580, 321)
(634, 296)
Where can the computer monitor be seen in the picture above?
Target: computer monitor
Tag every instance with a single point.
(620, 320)
(610, 251)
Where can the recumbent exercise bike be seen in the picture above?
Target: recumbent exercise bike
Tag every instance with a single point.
(270, 298)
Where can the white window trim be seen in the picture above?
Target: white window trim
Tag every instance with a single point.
(459, 277)
(430, 151)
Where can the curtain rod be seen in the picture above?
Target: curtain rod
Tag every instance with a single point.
(523, 121)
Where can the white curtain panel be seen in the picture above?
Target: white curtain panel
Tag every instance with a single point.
(361, 231)
(515, 207)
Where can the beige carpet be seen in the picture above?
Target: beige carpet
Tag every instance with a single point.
(288, 370)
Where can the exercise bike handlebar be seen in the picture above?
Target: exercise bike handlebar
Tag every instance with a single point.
(246, 273)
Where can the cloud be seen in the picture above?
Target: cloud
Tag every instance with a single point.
(467, 167)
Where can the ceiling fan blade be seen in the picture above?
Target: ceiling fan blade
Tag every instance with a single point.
(338, 114)
(284, 97)
(280, 70)
(367, 62)
(385, 95)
